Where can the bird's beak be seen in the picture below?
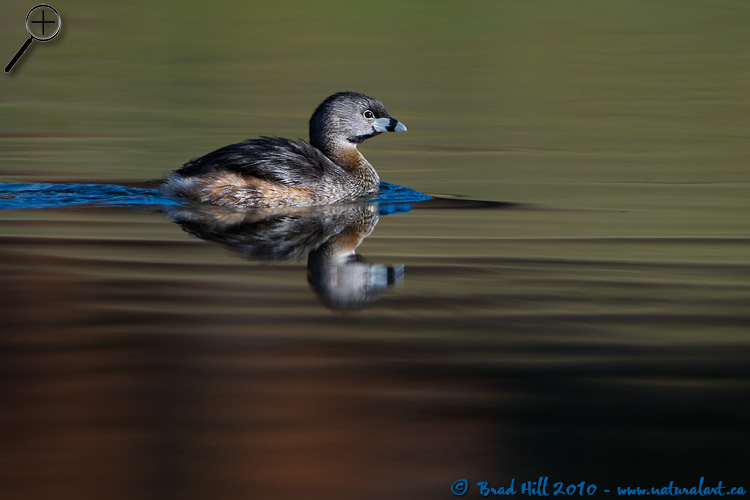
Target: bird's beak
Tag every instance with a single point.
(388, 125)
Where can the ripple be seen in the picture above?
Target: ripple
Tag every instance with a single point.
(40, 195)
(392, 198)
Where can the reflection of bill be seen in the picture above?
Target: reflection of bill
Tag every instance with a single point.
(327, 235)
(42, 23)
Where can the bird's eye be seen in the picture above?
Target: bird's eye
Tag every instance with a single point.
(369, 114)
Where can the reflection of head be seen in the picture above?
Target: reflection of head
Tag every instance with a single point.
(327, 235)
(345, 282)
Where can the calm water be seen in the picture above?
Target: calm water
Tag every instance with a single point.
(593, 324)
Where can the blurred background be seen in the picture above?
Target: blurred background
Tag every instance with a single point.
(596, 331)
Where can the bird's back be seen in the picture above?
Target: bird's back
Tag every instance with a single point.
(274, 159)
(267, 172)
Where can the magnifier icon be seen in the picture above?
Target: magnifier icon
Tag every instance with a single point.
(42, 32)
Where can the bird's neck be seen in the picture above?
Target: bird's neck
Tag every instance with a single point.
(345, 155)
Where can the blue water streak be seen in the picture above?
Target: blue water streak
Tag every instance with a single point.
(38, 195)
(394, 199)
(20, 196)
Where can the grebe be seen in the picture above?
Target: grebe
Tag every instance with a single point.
(273, 172)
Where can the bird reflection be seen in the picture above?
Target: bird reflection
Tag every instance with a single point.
(327, 235)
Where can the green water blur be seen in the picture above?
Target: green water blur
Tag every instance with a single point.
(634, 106)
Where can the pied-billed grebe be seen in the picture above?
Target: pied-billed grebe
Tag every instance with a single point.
(273, 172)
